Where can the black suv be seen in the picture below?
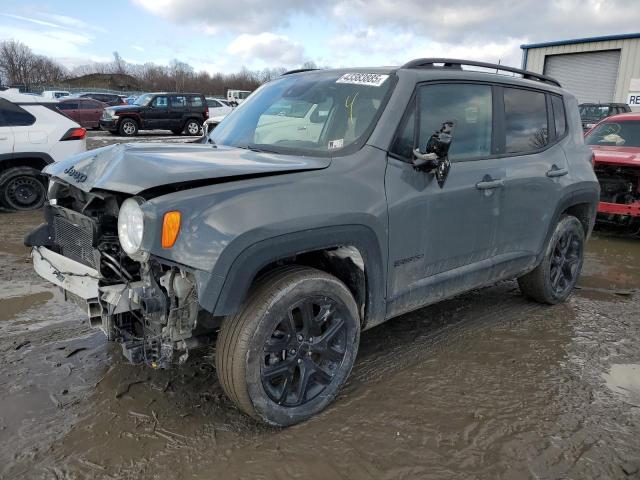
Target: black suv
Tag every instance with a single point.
(177, 112)
(592, 113)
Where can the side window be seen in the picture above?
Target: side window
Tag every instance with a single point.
(559, 116)
(68, 106)
(179, 102)
(12, 115)
(160, 102)
(525, 120)
(195, 102)
(469, 106)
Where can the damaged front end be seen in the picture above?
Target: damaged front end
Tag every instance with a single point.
(619, 205)
(148, 305)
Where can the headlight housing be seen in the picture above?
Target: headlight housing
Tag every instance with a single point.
(131, 225)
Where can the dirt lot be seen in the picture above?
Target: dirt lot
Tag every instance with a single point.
(487, 385)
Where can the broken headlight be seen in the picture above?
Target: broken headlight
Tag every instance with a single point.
(131, 225)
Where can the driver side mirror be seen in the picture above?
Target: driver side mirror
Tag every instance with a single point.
(436, 156)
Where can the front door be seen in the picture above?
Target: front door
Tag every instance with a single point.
(441, 239)
(155, 115)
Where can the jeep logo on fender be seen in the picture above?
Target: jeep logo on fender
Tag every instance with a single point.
(76, 175)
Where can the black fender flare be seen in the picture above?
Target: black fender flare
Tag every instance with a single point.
(589, 196)
(243, 269)
(45, 157)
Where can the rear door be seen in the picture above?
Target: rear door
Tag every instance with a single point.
(535, 165)
(91, 112)
(178, 110)
(6, 133)
(441, 239)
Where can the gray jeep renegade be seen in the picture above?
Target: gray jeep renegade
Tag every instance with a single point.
(328, 202)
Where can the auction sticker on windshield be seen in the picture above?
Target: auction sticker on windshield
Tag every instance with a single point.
(370, 79)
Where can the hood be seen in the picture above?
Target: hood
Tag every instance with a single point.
(133, 168)
(123, 108)
(627, 156)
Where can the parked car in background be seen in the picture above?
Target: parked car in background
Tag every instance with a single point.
(236, 97)
(33, 134)
(592, 113)
(55, 94)
(218, 107)
(108, 98)
(85, 111)
(615, 143)
(131, 99)
(178, 112)
(409, 187)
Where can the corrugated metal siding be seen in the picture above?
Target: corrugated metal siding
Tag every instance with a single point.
(629, 60)
(590, 76)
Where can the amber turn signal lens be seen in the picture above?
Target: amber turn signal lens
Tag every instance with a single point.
(170, 228)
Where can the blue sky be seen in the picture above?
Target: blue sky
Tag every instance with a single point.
(225, 35)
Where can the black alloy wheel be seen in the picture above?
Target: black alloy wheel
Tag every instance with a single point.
(304, 351)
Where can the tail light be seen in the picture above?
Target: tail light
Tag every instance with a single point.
(206, 112)
(74, 134)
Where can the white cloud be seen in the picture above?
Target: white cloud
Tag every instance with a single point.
(72, 22)
(239, 15)
(138, 48)
(266, 49)
(31, 20)
(54, 43)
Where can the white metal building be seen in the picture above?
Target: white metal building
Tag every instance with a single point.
(597, 69)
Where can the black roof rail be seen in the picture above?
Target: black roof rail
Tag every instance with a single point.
(457, 65)
(299, 70)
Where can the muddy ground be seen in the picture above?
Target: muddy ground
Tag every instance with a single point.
(486, 385)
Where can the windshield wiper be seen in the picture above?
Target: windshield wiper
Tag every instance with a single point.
(255, 148)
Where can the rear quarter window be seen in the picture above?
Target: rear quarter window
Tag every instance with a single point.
(12, 115)
(559, 116)
(196, 102)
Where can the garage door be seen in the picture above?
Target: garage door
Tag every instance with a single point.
(589, 76)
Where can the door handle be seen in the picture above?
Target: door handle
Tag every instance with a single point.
(556, 172)
(4, 138)
(487, 183)
(302, 128)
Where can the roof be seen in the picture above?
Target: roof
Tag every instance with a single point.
(624, 36)
(623, 117)
(16, 97)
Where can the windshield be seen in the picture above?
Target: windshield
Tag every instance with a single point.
(143, 100)
(618, 134)
(318, 114)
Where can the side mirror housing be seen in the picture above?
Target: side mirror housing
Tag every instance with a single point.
(436, 156)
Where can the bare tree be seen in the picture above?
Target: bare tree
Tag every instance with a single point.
(20, 66)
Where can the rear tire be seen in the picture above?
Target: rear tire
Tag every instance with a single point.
(192, 127)
(553, 280)
(22, 189)
(128, 128)
(267, 359)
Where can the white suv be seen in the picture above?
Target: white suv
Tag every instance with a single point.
(33, 134)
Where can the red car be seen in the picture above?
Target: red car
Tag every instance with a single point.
(85, 111)
(615, 143)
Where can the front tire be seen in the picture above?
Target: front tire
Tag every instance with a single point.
(284, 357)
(22, 188)
(553, 280)
(128, 127)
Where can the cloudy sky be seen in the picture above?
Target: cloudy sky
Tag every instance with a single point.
(224, 35)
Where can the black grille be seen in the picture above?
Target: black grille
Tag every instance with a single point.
(75, 241)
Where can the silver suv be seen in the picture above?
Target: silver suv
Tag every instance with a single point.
(328, 202)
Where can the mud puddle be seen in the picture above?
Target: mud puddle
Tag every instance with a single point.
(486, 385)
